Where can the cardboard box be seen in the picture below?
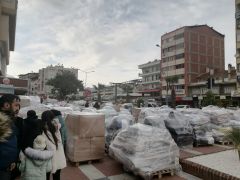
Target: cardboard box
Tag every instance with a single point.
(86, 125)
(135, 113)
(85, 149)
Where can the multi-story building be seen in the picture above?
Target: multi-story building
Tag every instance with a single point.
(186, 53)
(150, 78)
(48, 73)
(222, 88)
(237, 16)
(33, 82)
(8, 11)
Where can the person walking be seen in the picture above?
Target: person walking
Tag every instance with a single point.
(37, 167)
(9, 108)
(54, 142)
(96, 105)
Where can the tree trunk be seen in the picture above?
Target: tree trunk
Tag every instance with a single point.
(173, 97)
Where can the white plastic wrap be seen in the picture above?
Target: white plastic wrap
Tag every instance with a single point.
(115, 124)
(201, 127)
(145, 149)
(89, 109)
(180, 128)
(38, 108)
(161, 112)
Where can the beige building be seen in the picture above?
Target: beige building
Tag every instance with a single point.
(33, 82)
(150, 78)
(8, 11)
(237, 16)
(48, 73)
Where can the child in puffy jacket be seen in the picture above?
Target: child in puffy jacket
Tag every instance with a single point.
(35, 163)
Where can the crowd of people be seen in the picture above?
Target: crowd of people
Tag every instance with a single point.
(30, 148)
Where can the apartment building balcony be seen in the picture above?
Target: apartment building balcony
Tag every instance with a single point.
(173, 72)
(167, 54)
(150, 73)
(151, 82)
(237, 14)
(179, 51)
(172, 63)
(177, 91)
(180, 82)
(149, 64)
(238, 44)
(9, 6)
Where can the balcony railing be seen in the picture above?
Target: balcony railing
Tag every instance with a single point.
(237, 14)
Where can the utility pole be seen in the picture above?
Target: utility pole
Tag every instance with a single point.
(115, 94)
(86, 72)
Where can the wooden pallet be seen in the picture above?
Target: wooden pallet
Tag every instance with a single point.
(224, 142)
(159, 174)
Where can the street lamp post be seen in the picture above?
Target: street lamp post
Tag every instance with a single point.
(86, 72)
(157, 45)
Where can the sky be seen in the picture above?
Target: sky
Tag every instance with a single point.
(109, 37)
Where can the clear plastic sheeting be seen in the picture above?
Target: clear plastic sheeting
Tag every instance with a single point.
(154, 121)
(38, 108)
(201, 127)
(161, 112)
(217, 135)
(117, 123)
(108, 111)
(219, 116)
(180, 128)
(89, 109)
(145, 150)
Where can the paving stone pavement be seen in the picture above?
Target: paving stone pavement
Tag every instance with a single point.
(109, 169)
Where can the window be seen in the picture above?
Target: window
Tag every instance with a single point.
(179, 36)
(180, 46)
(179, 56)
(179, 66)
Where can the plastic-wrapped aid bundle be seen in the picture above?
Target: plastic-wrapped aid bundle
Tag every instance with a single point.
(122, 121)
(180, 129)
(201, 129)
(145, 149)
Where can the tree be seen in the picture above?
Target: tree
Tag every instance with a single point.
(171, 80)
(99, 88)
(209, 99)
(65, 83)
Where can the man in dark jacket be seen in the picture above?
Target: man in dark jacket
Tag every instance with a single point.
(9, 106)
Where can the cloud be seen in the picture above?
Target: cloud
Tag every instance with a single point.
(107, 36)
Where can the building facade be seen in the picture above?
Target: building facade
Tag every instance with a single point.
(222, 88)
(48, 73)
(150, 78)
(8, 11)
(237, 16)
(186, 53)
(33, 82)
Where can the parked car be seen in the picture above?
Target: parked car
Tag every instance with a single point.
(182, 106)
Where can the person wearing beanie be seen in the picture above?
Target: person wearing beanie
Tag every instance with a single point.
(36, 161)
(31, 129)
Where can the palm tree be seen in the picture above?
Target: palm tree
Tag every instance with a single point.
(99, 88)
(234, 136)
